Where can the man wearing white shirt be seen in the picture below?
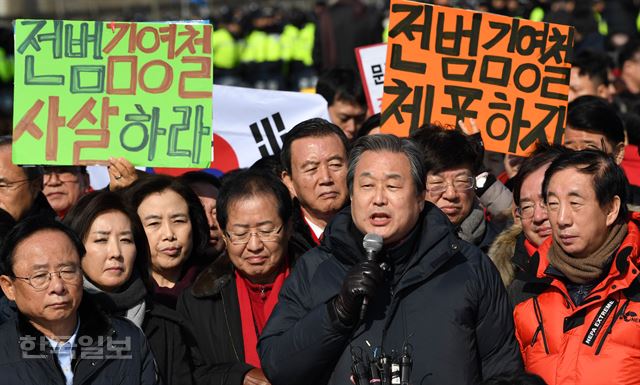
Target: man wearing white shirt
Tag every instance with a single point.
(56, 336)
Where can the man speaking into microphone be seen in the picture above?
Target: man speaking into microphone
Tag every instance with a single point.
(435, 306)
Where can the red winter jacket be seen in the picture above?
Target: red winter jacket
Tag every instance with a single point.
(595, 343)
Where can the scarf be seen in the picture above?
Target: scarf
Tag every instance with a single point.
(473, 227)
(129, 301)
(530, 247)
(168, 296)
(249, 330)
(584, 270)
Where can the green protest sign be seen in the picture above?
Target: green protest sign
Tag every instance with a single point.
(89, 90)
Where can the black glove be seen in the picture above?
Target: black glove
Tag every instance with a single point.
(478, 145)
(361, 281)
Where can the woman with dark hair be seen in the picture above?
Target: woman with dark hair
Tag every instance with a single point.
(116, 273)
(177, 231)
(231, 300)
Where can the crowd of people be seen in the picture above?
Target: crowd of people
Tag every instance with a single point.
(349, 257)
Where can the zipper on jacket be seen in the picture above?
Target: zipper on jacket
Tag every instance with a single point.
(610, 328)
(226, 320)
(540, 329)
(53, 360)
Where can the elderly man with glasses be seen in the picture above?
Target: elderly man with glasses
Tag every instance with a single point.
(232, 299)
(20, 187)
(64, 185)
(513, 250)
(451, 162)
(56, 337)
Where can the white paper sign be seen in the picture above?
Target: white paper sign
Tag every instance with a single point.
(371, 60)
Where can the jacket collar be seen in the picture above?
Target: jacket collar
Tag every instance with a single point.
(213, 278)
(344, 241)
(521, 257)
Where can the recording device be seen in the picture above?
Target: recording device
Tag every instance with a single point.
(372, 244)
(406, 364)
(380, 368)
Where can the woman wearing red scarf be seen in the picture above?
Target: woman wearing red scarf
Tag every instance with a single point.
(231, 300)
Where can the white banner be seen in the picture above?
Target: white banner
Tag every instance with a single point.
(371, 60)
(247, 125)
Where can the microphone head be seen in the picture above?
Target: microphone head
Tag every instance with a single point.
(372, 243)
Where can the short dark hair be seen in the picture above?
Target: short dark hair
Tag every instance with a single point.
(372, 122)
(542, 155)
(608, 178)
(341, 84)
(251, 183)
(270, 163)
(445, 149)
(594, 64)
(31, 172)
(391, 143)
(26, 228)
(90, 206)
(628, 51)
(593, 114)
(157, 183)
(193, 177)
(316, 128)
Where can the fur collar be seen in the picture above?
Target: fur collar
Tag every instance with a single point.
(502, 251)
(213, 278)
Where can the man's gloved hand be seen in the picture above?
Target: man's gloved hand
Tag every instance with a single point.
(361, 281)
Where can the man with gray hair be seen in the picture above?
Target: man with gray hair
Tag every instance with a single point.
(20, 187)
(352, 312)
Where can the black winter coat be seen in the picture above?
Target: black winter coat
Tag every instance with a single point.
(170, 340)
(94, 365)
(301, 239)
(449, 305)
(211, 306)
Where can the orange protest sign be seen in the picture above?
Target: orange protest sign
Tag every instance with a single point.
(446, 64)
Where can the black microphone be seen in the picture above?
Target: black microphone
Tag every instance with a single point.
(372, 244)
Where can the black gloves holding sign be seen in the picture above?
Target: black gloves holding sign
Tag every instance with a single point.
(362, 281)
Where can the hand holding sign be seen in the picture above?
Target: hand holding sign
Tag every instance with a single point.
(121, 173)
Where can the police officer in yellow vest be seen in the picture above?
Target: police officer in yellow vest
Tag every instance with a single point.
(226, 49)
(261, 57)
(297, 50)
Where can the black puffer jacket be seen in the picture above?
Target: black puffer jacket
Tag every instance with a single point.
(301, 239)
(95, 365)
(449, 305)
(170, 340)
(211, 306)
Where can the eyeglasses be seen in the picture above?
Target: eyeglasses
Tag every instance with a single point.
(263, 235)
(8, 186)
(459, 184)
(41, 280)
(526, 211)
(63, 176)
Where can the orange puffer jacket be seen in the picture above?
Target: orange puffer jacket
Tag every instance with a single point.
(595, 343)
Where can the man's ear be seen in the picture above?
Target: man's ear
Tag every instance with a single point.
(603, 91)
(613, 210)
(7, 287)
(286, 179)
(618, 153)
